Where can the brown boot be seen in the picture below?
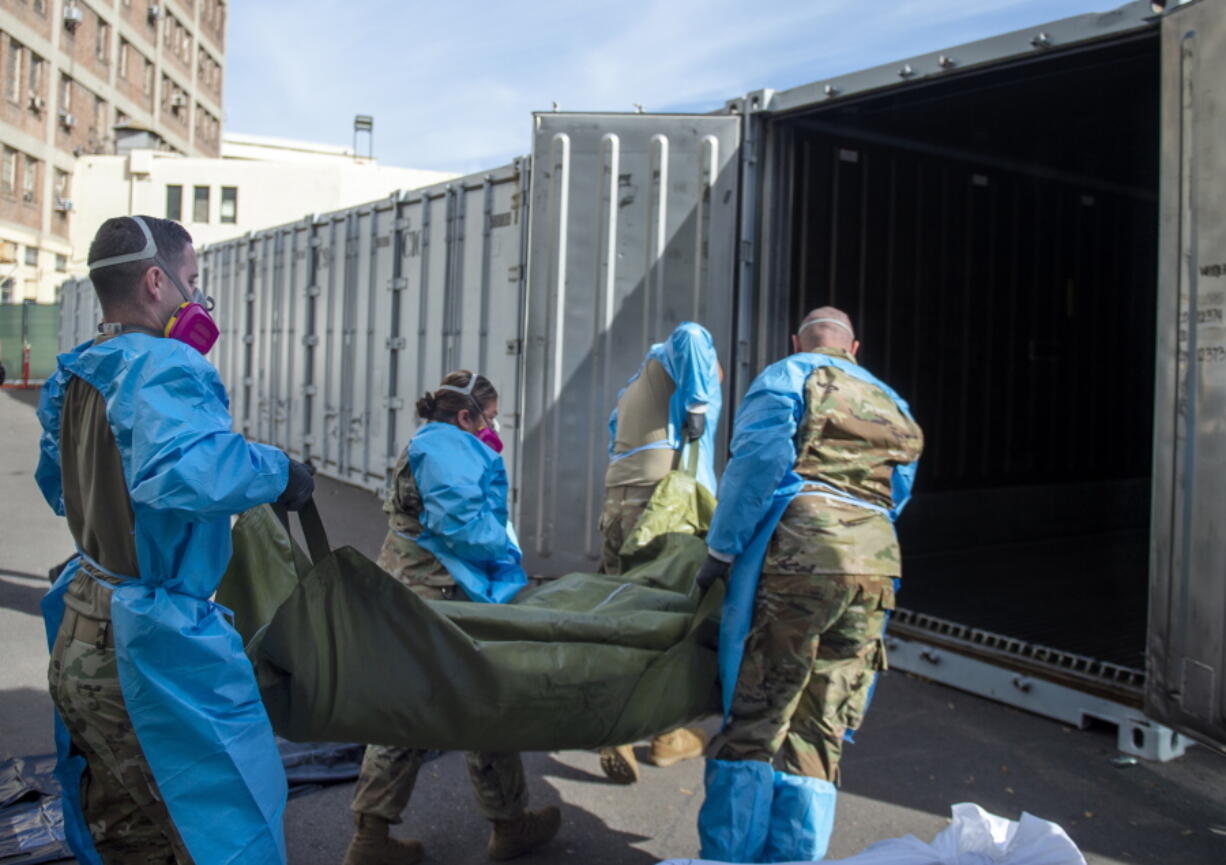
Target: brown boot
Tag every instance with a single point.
(372, 845)
(619, 764)
(528, 831)
(684, 743)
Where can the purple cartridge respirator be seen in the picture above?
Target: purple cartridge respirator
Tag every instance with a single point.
(191, 323)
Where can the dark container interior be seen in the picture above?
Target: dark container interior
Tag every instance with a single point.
(995, 236)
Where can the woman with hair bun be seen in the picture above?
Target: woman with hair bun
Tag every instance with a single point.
(449, 538)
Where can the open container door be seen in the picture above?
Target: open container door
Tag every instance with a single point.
(633, 230)
(1187, 624)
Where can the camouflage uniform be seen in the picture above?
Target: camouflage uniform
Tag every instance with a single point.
(127, 819)
(827, 583)
(389, 773)
(622, 508)
(642, 418)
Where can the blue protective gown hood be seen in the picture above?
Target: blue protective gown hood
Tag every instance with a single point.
(689, 358)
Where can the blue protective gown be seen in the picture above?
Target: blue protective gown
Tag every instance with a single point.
(464, 518)
(188, 686)
(688, 356)
(751, 813)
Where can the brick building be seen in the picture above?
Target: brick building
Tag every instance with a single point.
(93, 77)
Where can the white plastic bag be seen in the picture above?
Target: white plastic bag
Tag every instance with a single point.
(973, 837)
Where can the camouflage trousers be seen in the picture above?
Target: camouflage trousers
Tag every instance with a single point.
(813, 650)
(127, 819)
(622, 508)
(389, 774)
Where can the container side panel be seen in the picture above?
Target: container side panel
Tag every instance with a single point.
(633, 231)
(1187, 640)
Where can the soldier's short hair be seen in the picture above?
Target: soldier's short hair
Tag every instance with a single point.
(121, 235)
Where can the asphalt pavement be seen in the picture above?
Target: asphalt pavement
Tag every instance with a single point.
(923, 747)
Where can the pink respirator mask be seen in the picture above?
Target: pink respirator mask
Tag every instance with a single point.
(487, 435)
(191, 323)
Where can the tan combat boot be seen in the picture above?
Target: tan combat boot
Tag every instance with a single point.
(684, 743)
(372, 845)
(528, 831)
(619, 764)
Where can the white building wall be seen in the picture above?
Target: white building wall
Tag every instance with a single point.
(269, 193)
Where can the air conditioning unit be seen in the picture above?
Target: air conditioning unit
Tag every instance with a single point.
(178, 100)
(155, 12)
(72, 16)
(67, 120)
(37, 103)
(63, 205)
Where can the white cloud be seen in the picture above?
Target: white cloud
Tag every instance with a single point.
(452, 85)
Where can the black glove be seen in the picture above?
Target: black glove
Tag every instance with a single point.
(299, 487)
(712, 569)
(695, 425)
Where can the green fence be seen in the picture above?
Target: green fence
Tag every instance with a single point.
(42, 330)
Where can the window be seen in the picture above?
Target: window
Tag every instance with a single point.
(6, 291)
(61, 183)
(103, 43)
(61, 262)
(31, 256)
(37, 64)
(99, 115)
(8, 182)
(29, 183)
(65, 93)
(229, 204)
(148, 77)
(12, 82)
(174, 203)
(124, 51)
(200, 205)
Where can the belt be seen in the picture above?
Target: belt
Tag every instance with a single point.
(99, 573)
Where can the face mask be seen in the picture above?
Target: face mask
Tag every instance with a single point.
(191, 322)
(491, 438)
(193, 325)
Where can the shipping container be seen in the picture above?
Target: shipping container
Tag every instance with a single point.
(332, 327)
(1028, 235)
(1012, 225)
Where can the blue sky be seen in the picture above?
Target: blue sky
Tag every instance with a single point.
(452, 84)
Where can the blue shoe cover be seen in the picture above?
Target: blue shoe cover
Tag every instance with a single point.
(736, 813)
(802, 819)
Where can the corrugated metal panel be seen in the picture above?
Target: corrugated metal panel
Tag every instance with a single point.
(333, 326)
(1187, 641)
(633, 231)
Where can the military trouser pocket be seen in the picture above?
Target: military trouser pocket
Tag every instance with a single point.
(860, 686)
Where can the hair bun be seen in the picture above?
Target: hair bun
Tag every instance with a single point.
(426, 406)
